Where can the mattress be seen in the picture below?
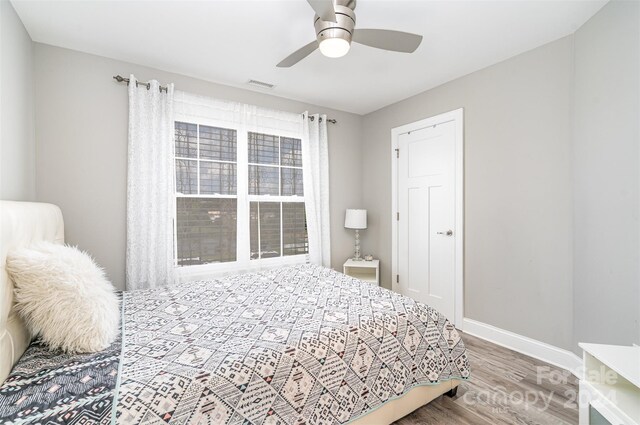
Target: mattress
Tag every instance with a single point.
(299, 344)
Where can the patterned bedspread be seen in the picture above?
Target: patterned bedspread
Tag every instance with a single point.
(293, 345)
(48, 387)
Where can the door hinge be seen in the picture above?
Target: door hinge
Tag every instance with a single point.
(397, 153)
(397, 216)
(397, 278)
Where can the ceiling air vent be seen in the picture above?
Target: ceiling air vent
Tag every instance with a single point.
(261, 84)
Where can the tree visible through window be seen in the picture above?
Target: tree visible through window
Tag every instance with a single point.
(207, 194)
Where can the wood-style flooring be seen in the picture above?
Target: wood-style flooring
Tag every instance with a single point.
(505, 388)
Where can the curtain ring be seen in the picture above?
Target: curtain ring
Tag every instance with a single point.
(312, 117)
(320, 119)
(148, 86)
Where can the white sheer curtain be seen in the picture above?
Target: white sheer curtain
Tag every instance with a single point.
(150, 181)
(315, 159)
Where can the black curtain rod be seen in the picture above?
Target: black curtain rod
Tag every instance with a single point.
(121, 79)
(331, 120)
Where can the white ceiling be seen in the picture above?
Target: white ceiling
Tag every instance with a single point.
(233, 41)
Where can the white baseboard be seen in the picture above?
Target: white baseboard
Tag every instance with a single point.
(539, 350)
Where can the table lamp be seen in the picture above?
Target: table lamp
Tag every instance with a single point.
(357, 220)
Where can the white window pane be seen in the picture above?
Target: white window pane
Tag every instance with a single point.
(294, 228)
(264, 149)
(264, 180)
(186, 138)
(290, 152)
(265, 242)
(217, 178)
(291, 181)
(218, 143)
(186, 177)
(206, 230)
(254, 239)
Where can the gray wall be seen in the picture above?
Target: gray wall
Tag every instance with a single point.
(518, 211)
(606, 162)
(552, 184)
(17, 141)
(81, 137)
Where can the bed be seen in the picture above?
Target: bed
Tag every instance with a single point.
(293, 345)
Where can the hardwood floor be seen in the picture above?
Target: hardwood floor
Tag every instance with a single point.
(505, 388)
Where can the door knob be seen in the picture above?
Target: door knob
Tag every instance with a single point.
(448, 233)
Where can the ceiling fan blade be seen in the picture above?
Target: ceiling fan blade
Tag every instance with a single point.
(396, 41)
(298, 55)
(324, 9)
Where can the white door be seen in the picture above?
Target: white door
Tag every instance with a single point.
(427, 216)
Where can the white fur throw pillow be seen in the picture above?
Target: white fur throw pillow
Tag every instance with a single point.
(64, 297)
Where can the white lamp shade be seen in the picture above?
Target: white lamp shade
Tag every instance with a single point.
(355, 219)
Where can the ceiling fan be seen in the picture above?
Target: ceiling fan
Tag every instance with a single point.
(335, 29)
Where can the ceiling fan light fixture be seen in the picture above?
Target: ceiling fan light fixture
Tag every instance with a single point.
(335, 22)
(334, 38)
(334, 47)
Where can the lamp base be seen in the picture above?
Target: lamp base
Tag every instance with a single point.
(357, 256)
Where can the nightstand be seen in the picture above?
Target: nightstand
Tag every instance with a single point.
(369, 271)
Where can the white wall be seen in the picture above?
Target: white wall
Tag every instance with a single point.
(81, 128)
(518, 211)
(606, 162)
(17, 141)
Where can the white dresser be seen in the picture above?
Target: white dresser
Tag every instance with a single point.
(610, 385)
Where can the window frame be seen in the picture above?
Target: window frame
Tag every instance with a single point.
(243, 244)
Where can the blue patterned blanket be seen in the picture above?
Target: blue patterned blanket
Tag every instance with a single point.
(295, 345)
(48, 387)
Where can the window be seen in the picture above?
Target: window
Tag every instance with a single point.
(275, 169)
(206, 194)
(218, 219)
